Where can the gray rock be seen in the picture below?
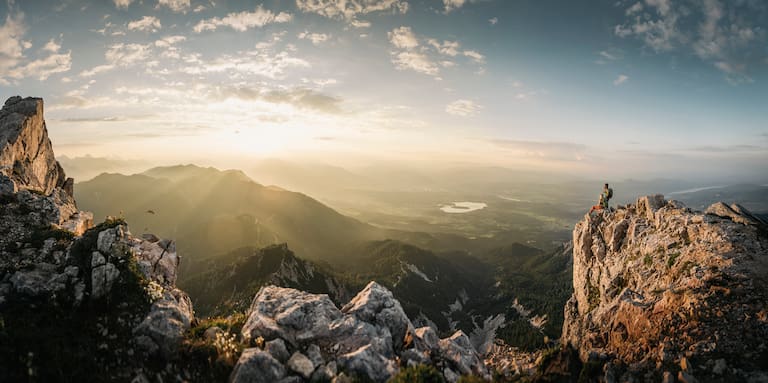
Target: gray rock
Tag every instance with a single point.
(257, 366)
(167, 321)
(719, 367)
(277, 349)
(26, 154)
(292, 315)
(426, 339)
(367, 362)
(314, 354)
(300, 364)
(376, 305)
(458, 350)
(41, 280)
(103, 275)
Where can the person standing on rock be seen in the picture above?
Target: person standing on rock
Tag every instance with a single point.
(602, 203)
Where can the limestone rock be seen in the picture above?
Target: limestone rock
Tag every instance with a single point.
(26, 154)
(292, 315)
(655, 282)
(300, 364)
(277, 349)
(375, 304)
(458, 350)
(367, 362)
(167, 320)
(103, 275)
(257, 366)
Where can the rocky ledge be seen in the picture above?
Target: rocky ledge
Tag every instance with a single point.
(302, 336)
(662, 292)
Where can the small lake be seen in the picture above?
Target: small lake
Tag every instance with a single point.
(463, 207)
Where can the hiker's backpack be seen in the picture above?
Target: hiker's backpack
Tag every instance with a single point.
(610, 193)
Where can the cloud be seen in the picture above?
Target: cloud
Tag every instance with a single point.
(350, 9)
(96, 70)
(257, 62)
(718, 32)
(127, 54)
(178, 6)
(146, 24)
(474, 55)
(242, 21)
(315, 38)
(13, 63)
(52, 46)
(620, 80)
(450, 5)
(463, 108)
(169, 41)
(12, 45)
(403, 38)
(122, 4)
(360, 23)
(493, 20)
(415, 61)
(424, 57)
(301, 98)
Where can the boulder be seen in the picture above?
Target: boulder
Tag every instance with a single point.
(103, 275)
(168, 319)
(300, 364)
(457, 349)
(295, 316)
(277, 349)
(257, 366)
(367, 362)
(376, 305)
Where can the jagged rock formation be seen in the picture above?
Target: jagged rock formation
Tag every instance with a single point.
(661, 291)
(30, 175)
(26, 157)
(370, 337)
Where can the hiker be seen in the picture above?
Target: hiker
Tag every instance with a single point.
(605, 196)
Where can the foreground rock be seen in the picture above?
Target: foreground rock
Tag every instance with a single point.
(660, 290)
(77, 302)
(371, 337)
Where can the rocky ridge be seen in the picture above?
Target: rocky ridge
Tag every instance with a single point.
(664, 292)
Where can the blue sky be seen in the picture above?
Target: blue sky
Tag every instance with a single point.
(649, 87)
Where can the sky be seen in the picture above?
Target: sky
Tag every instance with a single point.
(648, 88)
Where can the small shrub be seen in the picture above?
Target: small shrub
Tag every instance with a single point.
(672, 259)
(419, 374)
(648, 260)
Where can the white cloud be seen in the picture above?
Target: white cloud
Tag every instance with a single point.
(476, 56)
(44, 67)
(12, 45)
(146, 24)
(621, 79)
(257, 62)
(242, 21)
(403, 38)
(415, 61)
(349, 9)
(718, 32)
(360, 23)
(96, 70)
(122, 3)
(127, 54)
(463, 108)
(448, 48)
(450, 5)
(177, 6)
(52, 46)
(493, 20)
(315, 38)
(169, 41)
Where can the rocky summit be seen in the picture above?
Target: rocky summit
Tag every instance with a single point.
(665, 293)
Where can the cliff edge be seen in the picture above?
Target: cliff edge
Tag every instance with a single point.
(662, 292)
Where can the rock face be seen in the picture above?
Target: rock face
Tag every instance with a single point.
(660, 289)
(26, 156)
(369, 337)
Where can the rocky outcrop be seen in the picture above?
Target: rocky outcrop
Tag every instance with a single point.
(370, 337)
(661, 290)
(26, 156)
